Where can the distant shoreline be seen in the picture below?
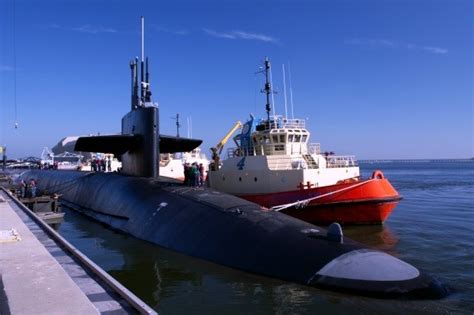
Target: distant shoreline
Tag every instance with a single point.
(414, 160)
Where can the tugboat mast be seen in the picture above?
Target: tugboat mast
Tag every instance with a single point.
(177, 125)
(268, 87)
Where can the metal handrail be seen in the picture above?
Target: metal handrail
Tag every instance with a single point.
(314, 148)
(334, 161)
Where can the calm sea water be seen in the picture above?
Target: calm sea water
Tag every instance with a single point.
(432, 228)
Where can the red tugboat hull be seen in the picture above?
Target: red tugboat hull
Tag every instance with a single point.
(359, 202)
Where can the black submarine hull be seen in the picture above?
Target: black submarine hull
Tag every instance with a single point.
(236, 233)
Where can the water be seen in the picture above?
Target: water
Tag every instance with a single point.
(432, 228)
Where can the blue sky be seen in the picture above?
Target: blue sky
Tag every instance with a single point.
(378, 79)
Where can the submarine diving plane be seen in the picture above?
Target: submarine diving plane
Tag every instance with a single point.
(216, 226)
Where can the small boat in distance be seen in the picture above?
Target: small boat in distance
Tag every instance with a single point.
(274, 165)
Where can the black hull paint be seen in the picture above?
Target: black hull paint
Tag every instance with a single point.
(221, 228)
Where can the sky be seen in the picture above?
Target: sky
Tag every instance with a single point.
(377, 79)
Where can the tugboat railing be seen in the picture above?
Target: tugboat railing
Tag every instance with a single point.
(236, 152)
(278, 122)
(335, 161)
(293, 123)
(314, 148)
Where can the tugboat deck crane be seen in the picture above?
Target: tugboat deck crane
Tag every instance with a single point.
(217, 150)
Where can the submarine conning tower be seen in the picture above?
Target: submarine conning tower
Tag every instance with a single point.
(139, 145)
(142, 120)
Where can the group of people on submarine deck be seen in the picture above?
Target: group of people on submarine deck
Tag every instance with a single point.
(194, 174)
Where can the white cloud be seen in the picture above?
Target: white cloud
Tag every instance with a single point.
(220, 35)
(385, 43)
(53, 26)
(87, 28)
(255, 36)
(6, 68)
(181, 32)
(435, 50)
(93, 29)
(241, 35)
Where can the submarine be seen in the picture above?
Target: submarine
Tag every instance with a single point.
(215, 226)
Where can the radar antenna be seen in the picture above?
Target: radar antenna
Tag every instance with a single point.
(268, 90)
(178, 124)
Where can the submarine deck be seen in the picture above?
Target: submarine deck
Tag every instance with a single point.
(40, 275)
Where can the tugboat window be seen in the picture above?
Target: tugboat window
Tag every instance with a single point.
(255, 179)
(240, 179)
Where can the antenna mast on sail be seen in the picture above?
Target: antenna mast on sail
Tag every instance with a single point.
(134, 73)
(142, 65)
(139, 99)
(143, 39)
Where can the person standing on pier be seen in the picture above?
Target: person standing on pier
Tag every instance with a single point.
(201, 174)
(187, 177)
(109, 164)
(22, 189)
(195, 174)
(32, 188)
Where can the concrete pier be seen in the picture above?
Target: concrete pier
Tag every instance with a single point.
(38, 276)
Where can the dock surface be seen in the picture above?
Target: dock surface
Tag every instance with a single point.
(37, 276)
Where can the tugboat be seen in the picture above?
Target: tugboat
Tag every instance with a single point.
(274, 165)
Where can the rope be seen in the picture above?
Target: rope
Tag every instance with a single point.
(303, 203)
